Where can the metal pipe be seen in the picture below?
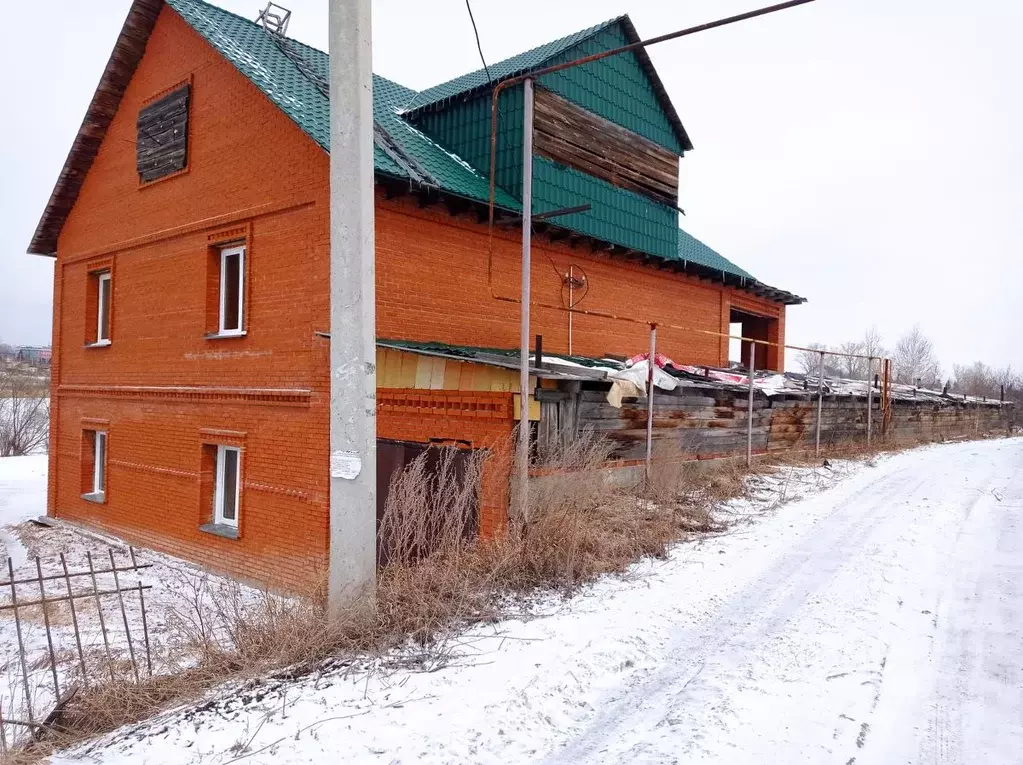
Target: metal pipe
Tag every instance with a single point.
(650, 400)
(605, 54)
(749, 407)
(586, 60)
(647, 322)
(654, 40)
(870, 400)
(522, 458)
(571, 301)
(820, 406)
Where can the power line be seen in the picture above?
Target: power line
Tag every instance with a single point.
(478, 46)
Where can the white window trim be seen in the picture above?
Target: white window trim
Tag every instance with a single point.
(224, 254)
(102, 315)
(218, 493)
(99, 466)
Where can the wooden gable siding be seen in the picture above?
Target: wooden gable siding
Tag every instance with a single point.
(575, 137)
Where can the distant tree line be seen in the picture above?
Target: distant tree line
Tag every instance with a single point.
(914, 362)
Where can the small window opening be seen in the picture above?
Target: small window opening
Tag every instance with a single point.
(99, 470)
(103, 296)
(94, 465)
(228, 483)
(735, 344)
(232, 290)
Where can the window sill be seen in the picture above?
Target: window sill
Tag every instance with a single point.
(97, 497)
(99, 344)
(224, 335)
(220, 530)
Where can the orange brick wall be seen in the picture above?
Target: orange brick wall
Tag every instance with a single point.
(432, 285)
(161, 384)
(163, 390)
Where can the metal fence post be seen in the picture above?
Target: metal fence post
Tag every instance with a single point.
(749, 406)
(820, 406)
(870, 399)
(650, 400)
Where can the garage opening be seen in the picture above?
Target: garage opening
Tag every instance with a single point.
(436, 498)
(756, 327)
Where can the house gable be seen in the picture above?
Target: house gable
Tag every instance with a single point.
(618, 90)
(242, 152)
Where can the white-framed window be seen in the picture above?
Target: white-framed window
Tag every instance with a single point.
(227, 489)
(232, 290)
(99, 464)
(103, 298)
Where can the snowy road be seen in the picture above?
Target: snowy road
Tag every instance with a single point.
(876, 621)
(893, 633)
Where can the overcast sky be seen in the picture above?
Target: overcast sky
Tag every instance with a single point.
(866, 154)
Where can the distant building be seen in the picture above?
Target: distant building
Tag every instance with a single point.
(33, 354)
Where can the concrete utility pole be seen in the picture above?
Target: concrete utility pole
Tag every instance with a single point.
(352, 308)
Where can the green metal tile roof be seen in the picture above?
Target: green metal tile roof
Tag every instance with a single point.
(300, 94)
(510, 67)
(635, 71)
(692, 250)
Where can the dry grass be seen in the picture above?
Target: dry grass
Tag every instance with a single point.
(438, 578)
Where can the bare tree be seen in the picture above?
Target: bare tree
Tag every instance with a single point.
(977, 379)
(873, 344)
(24, 414)
(914, 359)
(810, 360)
(851, 367)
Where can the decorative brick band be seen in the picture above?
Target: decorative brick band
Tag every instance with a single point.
(265, 396)
(474, 404)
(215, 222)
(284, 491)
(138, 467)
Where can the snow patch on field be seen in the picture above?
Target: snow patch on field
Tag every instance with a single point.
(22, 496)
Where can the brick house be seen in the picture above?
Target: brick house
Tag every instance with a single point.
(190, 383)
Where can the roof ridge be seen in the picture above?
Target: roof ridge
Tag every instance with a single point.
(579, 36)
(294, 40)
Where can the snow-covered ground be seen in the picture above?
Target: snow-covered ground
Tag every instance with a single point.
(22, 496)
(177, 589)
(875, 621)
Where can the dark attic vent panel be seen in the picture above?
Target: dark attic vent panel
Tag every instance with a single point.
(162, 143)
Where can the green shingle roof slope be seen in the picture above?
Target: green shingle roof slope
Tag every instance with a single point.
(510, 67)
(692, 250)
(299, 94)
